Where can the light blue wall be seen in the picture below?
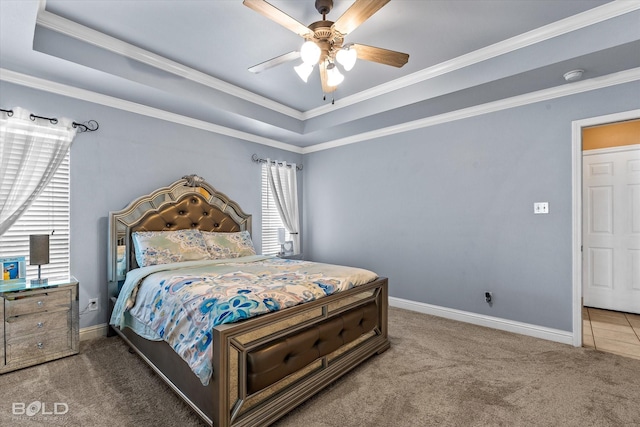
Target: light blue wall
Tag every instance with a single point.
(446, 212)
(131, 155)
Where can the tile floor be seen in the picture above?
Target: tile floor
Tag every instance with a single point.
(611, 331)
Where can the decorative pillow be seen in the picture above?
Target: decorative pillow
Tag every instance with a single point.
(228, 245)
(163, 247)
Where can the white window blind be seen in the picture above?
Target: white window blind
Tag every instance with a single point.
(48, 213)
(270, 219)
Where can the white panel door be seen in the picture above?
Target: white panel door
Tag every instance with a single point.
(611, 229)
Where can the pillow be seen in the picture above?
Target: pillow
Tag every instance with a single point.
(163, 247)
(228, 245)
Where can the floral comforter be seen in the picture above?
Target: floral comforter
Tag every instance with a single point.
(181, 302)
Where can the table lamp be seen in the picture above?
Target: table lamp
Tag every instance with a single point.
(38, 254)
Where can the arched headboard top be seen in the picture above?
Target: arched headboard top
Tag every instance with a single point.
(190, 202)
(189, 211)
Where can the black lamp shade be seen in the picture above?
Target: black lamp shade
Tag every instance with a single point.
(38, 249)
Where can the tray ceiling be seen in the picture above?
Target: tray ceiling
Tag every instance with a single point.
(190, 58)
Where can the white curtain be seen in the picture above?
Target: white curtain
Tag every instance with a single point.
(30, 153)
(284, 187)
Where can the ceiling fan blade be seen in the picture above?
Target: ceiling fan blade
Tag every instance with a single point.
(324, 78)
(380, 55)
(278, 16)
(275, 61)
(358, 12)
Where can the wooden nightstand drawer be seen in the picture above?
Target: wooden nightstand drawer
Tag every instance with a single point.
(39, 347)
(37, 302)
(37, 323)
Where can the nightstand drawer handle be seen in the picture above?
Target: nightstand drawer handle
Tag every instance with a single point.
(40, 325)
(40, 303)
(40, 345)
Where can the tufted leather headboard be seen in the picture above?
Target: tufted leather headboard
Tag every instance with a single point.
(190, 211)
(188, 203)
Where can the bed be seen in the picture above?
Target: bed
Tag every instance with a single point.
(261, 366)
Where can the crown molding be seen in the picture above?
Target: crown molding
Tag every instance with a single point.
(513, 102)
(490, 107)
(78, 31)
(538, 35)
(133, 107)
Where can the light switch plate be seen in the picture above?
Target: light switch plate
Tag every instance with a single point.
(541, 208)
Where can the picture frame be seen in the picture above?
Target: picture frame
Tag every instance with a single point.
(287, 247)
(13, 269)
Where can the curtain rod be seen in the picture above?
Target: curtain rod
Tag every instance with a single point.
(89, 126)
(257, 159)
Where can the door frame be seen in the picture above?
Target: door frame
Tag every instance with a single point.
(576, 195)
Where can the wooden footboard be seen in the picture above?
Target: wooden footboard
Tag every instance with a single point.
(351, 326)
(234, 343)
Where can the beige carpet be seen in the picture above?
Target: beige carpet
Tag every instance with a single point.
(438, 372)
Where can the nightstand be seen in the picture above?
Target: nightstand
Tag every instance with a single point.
(41, 322)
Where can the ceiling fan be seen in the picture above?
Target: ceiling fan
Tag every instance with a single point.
(324, 43)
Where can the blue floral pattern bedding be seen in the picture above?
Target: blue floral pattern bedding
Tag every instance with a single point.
(181, 302)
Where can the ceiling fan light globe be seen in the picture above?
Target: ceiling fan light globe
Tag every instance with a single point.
(304, 71)
(347, 58)
(310, 52)
(334, 76)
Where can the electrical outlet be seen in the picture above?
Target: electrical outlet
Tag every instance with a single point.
(541, 208)
(488, 297)
(93, 304)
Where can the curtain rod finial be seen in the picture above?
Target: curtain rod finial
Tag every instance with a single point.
(90, 126)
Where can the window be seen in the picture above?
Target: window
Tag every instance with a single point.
(270, 219)
(48, 213)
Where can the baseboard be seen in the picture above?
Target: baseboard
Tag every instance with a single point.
(95, 331)
(550, 334)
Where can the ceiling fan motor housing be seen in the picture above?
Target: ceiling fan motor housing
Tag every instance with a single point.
(326, 37)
